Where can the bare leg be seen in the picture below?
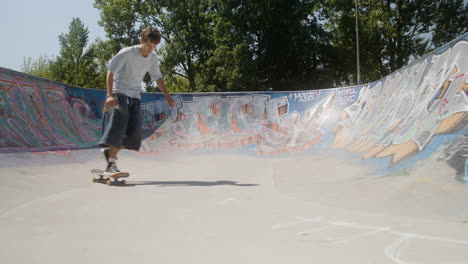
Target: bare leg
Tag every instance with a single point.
(111, 162)
(113, 151)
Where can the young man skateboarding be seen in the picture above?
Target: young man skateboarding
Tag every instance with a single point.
(122, 115)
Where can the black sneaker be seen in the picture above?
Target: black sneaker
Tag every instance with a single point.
(112, 168)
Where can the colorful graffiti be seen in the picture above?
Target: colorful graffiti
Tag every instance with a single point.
(39, 115)
(394, 119)
(399, 115)
(225, 121)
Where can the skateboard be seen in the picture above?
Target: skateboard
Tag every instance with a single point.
(109, 178)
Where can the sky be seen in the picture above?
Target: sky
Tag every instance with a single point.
(30, 28)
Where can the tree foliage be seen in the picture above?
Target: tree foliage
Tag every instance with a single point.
(450, 21)
(39, 67)
(392, 32)
(225, 45)
(241, 45)
(75, 63)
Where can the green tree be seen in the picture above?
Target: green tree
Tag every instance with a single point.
(287, 43)
(451, 21)
(103, 51)
(38, 67)
(392, 33)
(184, 26)
(234, 45)
(75, 64)
(221, 45)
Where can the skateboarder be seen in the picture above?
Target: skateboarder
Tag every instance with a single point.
(122, 117)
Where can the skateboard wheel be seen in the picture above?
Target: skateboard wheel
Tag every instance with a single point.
(109, 182)
(94, 180)
(123, 181)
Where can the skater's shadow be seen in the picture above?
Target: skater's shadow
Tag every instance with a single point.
(188, 183)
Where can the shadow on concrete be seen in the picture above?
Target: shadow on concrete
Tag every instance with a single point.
(186, 183)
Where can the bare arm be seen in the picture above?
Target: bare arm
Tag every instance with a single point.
(110, 100)
(162, 87)
(110, 83)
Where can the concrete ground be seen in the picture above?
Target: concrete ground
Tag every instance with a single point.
(232, 209)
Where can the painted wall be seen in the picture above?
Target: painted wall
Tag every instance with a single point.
(396, 121)
(38, 114)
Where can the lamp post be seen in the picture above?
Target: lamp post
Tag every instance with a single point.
(357, 45)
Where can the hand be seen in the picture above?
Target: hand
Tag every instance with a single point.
(111, 101)
(170, 101)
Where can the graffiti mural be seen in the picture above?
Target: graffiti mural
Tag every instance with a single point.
(223, 121)
(39, 115)
(399, 115)
(397, 120)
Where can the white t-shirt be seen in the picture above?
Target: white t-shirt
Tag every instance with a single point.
(129, 68)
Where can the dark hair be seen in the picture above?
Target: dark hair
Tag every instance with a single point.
(152, 34)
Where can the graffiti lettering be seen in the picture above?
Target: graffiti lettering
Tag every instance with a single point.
(305, 96)
(346, 96)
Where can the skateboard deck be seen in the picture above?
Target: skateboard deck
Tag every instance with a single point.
(109, 178)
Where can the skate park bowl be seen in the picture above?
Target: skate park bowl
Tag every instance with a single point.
(374, 173)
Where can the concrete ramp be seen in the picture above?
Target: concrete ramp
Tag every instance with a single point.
(375, 173)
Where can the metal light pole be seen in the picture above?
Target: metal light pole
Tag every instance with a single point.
(357, 46)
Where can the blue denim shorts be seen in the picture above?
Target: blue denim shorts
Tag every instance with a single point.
(121, 125)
